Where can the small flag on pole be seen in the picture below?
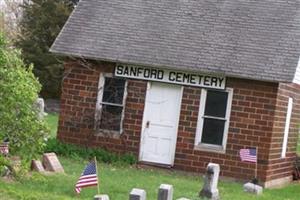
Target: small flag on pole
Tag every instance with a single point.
(249, 155)
(87, 178)
(4, 149)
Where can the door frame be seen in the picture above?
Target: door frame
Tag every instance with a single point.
(144, 121)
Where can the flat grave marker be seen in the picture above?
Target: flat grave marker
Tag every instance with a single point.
(51, 163)
(137, 194)
(37, 166)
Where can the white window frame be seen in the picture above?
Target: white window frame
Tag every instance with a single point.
(99, 103)
(211, 147)
(287, 127)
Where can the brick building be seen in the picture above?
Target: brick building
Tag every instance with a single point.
(184, 83)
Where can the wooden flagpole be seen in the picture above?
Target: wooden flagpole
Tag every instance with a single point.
(256, 149)
(96, 165)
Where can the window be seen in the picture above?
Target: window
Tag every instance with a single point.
(213, 119)
(287, 127)
(110, 103)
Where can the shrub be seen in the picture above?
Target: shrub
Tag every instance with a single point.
(70, 150)
(18, 92)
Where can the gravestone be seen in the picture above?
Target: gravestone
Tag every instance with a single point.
(40, 105)
(137, 194)
(51, 163)
(210, 187)
(253, 188)
(101, 197)
(5, 172)
(16, 163)
(183, 199)
(165, 192)
(37, 165)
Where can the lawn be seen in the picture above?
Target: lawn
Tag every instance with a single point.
(117, 181)
(52, 120)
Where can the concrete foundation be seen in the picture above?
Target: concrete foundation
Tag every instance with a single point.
(278, 183)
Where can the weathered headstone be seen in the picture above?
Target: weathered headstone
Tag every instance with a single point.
(40, 105)
(165, 192)
(210, 187)
(51, 163)
(253, 188)
(16, 163)
(52, 106)
(101, 197)
(137, 194)
(37, 165)
(5, 172)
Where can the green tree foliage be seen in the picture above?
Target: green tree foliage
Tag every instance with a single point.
(18, 115)
(42, 21)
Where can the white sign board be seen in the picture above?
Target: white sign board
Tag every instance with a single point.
(171, 76)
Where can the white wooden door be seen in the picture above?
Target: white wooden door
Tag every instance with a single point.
(160, 123)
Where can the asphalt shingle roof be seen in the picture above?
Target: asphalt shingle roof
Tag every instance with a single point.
(241, 38)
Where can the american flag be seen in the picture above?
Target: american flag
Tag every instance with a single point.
(87, 178)
(249, 155)
(4, 149)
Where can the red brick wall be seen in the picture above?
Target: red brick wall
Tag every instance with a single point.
(253, 119)
(78, 103)
(282, 167)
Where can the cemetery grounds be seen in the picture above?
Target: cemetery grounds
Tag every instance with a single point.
(118, 180)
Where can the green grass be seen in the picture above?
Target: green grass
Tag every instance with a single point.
(118, 181)
(52, 120)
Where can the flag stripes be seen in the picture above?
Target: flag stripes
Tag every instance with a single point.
(4, 149)
(87, 178)
(249, 155)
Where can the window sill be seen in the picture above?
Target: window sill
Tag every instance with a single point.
(107, 133)
(210, 148)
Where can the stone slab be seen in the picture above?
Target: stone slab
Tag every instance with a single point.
(37, 165)
(40, 105)
(101, 197)
(165, 192)
(137, 194)
(16, 162)
(183, 199)
(51, 163)
(252, 188)
(211, 179)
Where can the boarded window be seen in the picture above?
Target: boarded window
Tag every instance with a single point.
(110, 103)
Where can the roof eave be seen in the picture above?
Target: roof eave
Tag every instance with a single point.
(74, 55)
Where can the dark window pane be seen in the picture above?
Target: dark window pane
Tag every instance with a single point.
(212, 132)
(216, 103)
(111, 117)
(113, 90)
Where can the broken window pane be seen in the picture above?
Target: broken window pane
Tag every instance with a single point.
(111, 117)
(111, 104)
(113, 90)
